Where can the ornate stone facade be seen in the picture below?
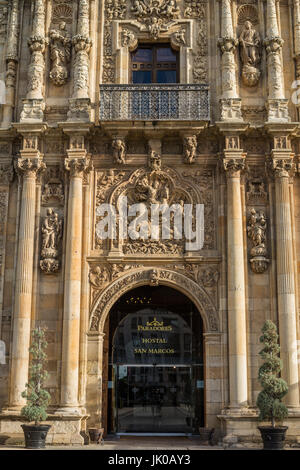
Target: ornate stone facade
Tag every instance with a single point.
(224, 136)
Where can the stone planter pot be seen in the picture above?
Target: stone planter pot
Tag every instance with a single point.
(96, 435)
(35, 436)
(206, 435)
(273, 438)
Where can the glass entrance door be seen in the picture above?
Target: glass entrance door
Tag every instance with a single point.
(154, 399)
(155, 373)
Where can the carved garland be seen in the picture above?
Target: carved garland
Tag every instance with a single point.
(161, 276)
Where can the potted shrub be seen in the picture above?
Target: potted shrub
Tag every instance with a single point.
(37, 398)
(274, 389)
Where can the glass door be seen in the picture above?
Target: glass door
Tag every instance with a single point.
(154, 399)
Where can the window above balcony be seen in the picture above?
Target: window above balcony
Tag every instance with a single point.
(154, 64)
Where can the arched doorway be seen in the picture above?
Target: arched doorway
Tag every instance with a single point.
(154, 363)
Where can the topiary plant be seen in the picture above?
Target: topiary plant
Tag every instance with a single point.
(274, 388)
(37, 398)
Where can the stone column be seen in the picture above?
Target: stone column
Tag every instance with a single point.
(277, 105)
(33, 105)
(77, 164)
(281, 164)
(79, 104)
(27, 166)
(11, 64)
(234, 164)
(230, 102)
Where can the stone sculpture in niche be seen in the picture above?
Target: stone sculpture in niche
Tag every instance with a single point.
(51, 236)
(60, 53)
(256, 230)
(250, 44)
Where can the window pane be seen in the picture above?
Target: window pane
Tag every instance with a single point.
(141, 76)
(165, 54)
(142, 55)
(166, 76)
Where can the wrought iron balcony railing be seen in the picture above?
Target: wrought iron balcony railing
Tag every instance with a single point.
(154, 102)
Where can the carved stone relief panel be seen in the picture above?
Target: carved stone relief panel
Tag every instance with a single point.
(257, 202)
(156, 185)
(106, 181)
(204, 183)
(198, 10)
(3, 22)
(53, 186)
(3, 215)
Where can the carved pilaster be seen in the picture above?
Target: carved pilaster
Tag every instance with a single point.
(11, 63)
(297, 36)
(34, 103)
(277, 105)
(230, 103)
(79, 107)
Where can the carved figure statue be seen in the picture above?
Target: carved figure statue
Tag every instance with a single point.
(60, 53)
(51, 230)
(155, 161)
(51, 235)
(256, 229)
(119, 150)
(250, 54)
(190, 147)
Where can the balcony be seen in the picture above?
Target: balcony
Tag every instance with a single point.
(153, 102)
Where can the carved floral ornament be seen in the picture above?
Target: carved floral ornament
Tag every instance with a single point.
(78, 166)
(29, 167)
(153, 276)
(281, 167)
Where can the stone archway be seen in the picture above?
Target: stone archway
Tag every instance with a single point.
(211, 325)
(154, 276)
